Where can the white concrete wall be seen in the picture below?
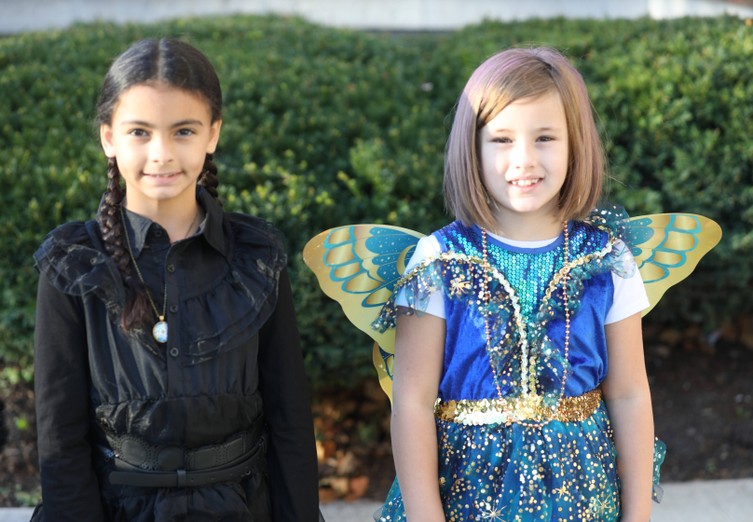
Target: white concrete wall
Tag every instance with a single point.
(31, 15)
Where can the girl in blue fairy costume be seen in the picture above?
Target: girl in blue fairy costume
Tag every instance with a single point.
(520, 390)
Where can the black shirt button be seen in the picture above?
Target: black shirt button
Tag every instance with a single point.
(171, 268)
(174, 352)
(158, 232)
(173, 308)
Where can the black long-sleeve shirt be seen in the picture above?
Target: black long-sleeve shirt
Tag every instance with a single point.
(232, 358)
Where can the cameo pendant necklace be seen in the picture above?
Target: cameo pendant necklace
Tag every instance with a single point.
(159, 330)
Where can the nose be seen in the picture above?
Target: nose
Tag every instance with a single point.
(160, 151)
(523, 155)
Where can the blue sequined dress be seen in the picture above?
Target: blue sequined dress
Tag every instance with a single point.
(523, 434)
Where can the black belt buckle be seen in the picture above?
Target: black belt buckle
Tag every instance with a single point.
(182, 479)
(171, 458)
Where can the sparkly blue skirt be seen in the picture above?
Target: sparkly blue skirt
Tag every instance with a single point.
(561, 471)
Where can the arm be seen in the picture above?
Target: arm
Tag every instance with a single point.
(628, 400)
(293, 474)
(419, 347)
(70, 490)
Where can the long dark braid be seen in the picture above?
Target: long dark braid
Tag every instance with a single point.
(168, 62)
(208, 178)
(113, 231)
(108, 217)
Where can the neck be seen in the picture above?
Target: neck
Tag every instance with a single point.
(527, 228)
(178, 218)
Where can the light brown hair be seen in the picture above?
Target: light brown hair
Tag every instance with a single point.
(500, 80)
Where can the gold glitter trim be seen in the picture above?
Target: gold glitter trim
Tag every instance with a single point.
(525, 409)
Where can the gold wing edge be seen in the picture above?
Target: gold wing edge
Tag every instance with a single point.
(709, 236)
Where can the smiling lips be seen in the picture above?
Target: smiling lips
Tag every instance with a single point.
(524, 182)
(165, 175)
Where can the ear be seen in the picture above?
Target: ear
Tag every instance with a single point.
(105, 137)
(214, 136)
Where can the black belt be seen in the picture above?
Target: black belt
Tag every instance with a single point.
(181, 478)
(141, 464)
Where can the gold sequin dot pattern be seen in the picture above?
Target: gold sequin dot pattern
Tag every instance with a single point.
(563, 471)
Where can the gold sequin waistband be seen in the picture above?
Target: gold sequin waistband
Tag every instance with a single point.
(526, 409)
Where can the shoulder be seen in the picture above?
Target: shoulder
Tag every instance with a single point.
(610, 220)
(426, 248)
(606, 230)
(256, 240)
(65, 238)
(73, 261)
(432, 246)
(590, 236)
(454, 228)
(252, 229)
(72, 232)
(451, 233)
(437, 242)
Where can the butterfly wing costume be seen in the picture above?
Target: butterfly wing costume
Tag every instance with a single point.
(359, 265)
(519, 416)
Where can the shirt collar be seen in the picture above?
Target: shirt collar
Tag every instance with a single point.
(138, 226)
(212, 227)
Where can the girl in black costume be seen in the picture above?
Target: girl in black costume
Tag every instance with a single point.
(169, 378)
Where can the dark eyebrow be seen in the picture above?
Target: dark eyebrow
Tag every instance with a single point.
(182, 123)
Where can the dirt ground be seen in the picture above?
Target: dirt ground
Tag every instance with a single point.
(703, 409)
(703, 406)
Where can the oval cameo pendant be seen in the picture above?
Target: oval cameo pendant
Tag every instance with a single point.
(159, 331)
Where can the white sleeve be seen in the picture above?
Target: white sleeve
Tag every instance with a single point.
(629, 293)
(427, 246)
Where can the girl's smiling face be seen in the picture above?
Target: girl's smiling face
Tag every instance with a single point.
(524, 159)
(160, 137)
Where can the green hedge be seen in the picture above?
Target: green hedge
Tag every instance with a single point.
(324, 127)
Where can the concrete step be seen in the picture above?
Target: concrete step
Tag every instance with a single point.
(702, 501)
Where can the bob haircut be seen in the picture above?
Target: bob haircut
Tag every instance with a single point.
(500, 80)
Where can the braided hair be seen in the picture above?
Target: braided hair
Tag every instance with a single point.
(170, 62)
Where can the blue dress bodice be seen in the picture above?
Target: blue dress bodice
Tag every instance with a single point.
(467, 373)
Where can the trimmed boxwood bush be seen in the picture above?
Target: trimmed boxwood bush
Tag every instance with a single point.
(324, 127)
